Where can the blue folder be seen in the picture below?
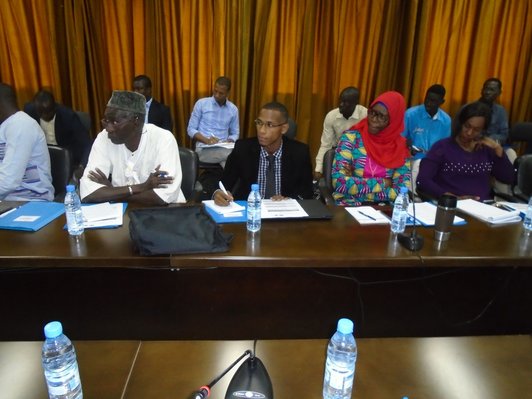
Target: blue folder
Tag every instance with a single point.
(218, 218)
(31, 216)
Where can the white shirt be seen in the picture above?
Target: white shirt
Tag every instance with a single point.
(333, 127)
(157, 147)
(49, 130)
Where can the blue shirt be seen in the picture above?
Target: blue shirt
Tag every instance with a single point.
(24, 160)
(212, 119)
(498, 128)
(423, 130)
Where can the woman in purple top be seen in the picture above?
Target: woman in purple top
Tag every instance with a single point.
(464, 163)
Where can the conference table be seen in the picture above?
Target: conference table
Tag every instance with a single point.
(436, 368)
(292, 280)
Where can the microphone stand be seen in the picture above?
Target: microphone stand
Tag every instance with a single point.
(412, 242)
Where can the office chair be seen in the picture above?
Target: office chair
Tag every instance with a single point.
(61, 168)
(85, 119)
(189, 168)
(522, 132)
(292, 129)
(325, 184)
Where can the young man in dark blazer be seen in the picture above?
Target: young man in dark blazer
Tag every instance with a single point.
(61, 126)
(157, 113)
(281, 166)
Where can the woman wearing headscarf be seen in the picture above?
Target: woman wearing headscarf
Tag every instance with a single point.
(372, 160)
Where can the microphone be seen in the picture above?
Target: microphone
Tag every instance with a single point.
(413, 242)
(205, 391)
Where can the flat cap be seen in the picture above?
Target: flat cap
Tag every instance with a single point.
(128, 101)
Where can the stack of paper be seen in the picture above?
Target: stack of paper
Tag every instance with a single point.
(367, 215)
(287, 208)
(232, 210)
(105, 215)
(488, 213)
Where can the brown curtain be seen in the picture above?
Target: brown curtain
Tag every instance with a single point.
(301, 53)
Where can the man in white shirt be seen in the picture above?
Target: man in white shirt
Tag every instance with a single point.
(142, 160)
(348, 113)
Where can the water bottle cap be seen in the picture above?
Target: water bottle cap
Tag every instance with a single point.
(70, 188)
(255, 187)
(404, 189)
(345, 326)
(53, 329)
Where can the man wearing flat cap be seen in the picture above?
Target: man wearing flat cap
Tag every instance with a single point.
(130, 160)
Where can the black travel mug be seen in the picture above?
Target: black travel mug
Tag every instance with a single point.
(444, 217)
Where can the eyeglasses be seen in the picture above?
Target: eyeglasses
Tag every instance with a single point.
(377, 115)
(269, 125)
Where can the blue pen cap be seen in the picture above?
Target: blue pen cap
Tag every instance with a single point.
(345, 326)
(53, 329)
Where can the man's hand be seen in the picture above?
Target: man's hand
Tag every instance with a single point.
(157, 179)
(206, 139)
(317, 176)
(99, 177)
(221, 199)
(278, 197)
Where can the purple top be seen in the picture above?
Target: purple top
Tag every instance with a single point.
(449, 168)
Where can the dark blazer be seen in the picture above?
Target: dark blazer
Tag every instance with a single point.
(160, 115)
(242, 169)
(69, 132)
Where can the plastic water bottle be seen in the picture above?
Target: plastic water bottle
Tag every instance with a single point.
(527, 222)
(253, 209)
(60, 365)
(339, 374)
(400, 211)
(74, 215)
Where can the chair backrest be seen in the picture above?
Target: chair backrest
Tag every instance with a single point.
(524, 176)
(189, 168)
(292, 129)
(522, 131)
(328, 159)
(85, 119)
(61, 167)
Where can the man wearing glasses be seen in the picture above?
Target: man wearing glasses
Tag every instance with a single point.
(130, 160)
(281, 166)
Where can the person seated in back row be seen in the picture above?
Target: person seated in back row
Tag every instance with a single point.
(24, 158)
(372, 160)
(156, 112)
(142, 160)
(281, 166)
(463, 164)
(214, 120)
(61, 126)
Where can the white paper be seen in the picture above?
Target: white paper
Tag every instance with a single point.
(103, 215)
(488, 213)
(367, 215)
(224, 210)
(426, 213)
(287, 208)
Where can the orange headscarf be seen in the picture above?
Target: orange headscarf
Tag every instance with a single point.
(388, 147)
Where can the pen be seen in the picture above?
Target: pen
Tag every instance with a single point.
(369, 217)
(222, 187)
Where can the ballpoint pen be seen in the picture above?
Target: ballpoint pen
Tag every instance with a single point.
(366, 215)
(222, 187)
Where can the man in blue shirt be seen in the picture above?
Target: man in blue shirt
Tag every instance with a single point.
(24, 158)
(214, 124)
(426, 124)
